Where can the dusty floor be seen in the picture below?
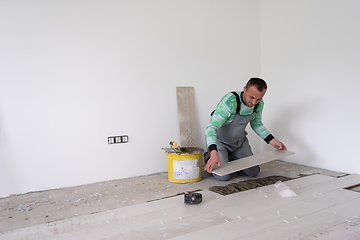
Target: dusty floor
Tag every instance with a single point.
(25, 210)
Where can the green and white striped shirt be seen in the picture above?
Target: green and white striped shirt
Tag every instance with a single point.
(224, 114)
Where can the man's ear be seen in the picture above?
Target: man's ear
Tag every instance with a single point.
(244, 88)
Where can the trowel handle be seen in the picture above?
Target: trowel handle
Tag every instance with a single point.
(173, 144)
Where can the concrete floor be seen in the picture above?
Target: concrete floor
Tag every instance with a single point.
(32, 209)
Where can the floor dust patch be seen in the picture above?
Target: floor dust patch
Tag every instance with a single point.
(247, 185)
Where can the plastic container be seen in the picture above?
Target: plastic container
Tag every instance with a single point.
(185, 166)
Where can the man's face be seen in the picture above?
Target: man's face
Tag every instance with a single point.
(252, 96)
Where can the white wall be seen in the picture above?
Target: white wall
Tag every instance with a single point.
(73, 73)
(310, 56)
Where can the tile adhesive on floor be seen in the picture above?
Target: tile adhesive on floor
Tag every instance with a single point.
(247, 185)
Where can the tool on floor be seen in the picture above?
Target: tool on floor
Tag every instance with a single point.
(192, 198)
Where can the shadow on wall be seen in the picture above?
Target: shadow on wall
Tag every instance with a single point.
(292, 129)
(202, 135)
(9, 183)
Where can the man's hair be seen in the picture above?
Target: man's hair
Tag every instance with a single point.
(259, 83)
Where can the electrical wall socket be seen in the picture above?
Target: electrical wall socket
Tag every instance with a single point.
(124, 139)
(118, 139)
(111, 140)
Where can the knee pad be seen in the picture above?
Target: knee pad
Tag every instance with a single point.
(251, 172)
(222, 178)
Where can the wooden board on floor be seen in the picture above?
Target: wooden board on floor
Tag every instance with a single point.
(251, 161)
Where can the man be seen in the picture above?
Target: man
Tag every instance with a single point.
(226, 136)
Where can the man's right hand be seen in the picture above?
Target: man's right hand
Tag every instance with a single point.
(213, 160)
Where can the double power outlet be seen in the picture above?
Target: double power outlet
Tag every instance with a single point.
(118, 139)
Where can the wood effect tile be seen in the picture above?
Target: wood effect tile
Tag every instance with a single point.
(322, 204)
(175, 228)
(254, 214)
(310, 224)
(46, 231)
(251, 161)
(349, 230)
(120, 227)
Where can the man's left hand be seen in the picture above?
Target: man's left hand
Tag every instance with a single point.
(277, 144)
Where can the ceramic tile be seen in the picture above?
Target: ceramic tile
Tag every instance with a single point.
(322, 208)
(176, 228)
(310, 224)
(251, 161)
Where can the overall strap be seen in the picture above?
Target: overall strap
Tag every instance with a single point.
(238, 102)
(255, 108)
(238, 106)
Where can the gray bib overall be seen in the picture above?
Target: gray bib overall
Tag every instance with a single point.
(232, 142)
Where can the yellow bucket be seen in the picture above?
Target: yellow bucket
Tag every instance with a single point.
(185, 166)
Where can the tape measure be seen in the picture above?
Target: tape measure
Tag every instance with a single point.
(192, 198)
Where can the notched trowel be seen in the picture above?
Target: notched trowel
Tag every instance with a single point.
(174, 148)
